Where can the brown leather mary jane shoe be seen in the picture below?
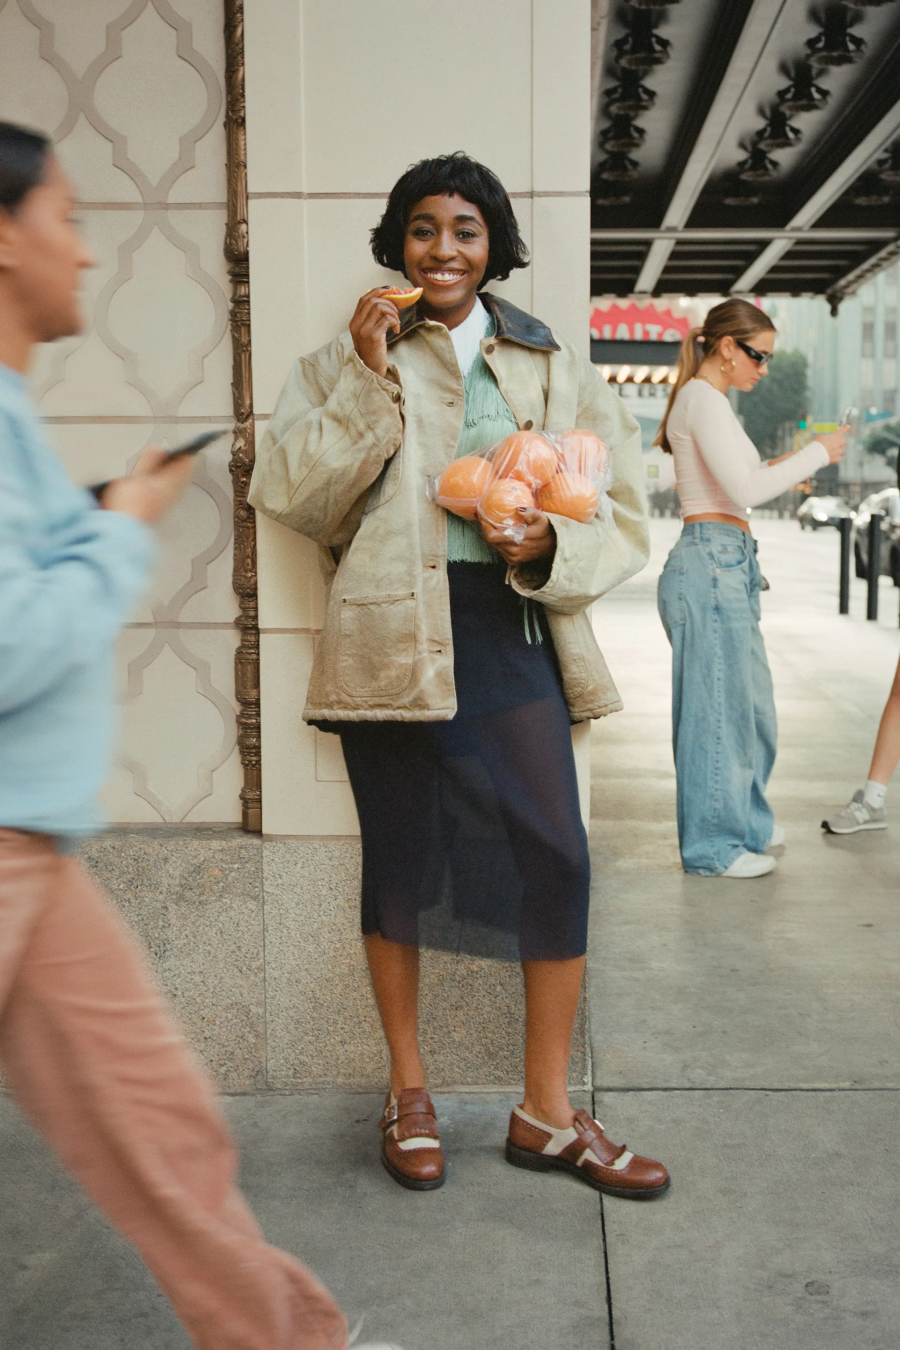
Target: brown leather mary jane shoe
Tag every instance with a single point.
(411, 1150)
(585, 1151)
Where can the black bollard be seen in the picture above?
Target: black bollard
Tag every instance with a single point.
(874, 564)
(845, 526)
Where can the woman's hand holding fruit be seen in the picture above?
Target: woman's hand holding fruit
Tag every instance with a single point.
(513, 488)
(377, 312)
(539, 540)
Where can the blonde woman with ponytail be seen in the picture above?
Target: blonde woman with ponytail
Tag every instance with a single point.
(724, 729)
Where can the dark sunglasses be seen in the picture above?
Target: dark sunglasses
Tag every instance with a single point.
(761, 358)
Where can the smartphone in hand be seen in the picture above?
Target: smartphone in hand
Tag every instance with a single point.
(190, 447)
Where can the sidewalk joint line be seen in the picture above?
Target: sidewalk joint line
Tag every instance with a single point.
(606, 1276)
(609, 1306)
(885, 1088)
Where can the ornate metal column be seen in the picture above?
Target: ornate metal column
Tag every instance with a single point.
(237, 254)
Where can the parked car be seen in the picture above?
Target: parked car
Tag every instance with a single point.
(888, 502)
(818, 511)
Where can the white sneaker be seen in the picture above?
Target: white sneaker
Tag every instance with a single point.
(855, 816)
(748, 865)
(778, 836)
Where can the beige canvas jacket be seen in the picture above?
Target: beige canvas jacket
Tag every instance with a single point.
(344, 461)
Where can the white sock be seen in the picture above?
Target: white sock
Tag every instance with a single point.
(874, 794)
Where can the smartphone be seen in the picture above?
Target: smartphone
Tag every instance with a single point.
(190, 447)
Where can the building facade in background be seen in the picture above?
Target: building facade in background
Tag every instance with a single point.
(853, 356)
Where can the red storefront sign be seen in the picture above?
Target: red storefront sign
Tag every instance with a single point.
(638, 323)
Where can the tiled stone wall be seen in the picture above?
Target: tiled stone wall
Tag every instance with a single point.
(131, 91)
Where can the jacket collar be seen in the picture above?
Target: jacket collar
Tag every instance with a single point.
(511, 325)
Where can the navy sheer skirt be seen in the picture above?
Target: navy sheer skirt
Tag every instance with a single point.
(472, 837)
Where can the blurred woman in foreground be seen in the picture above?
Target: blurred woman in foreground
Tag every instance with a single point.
(724, 728)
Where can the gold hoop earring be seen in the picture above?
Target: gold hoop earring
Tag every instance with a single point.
(725, 369)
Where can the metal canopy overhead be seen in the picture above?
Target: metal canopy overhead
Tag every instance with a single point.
(746, 146)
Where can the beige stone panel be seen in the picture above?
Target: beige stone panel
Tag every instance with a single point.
(31, 91)
(561, 92)
(273, 66)
(291, 594)
(77, 32)
(581, 747)
(95, 453)
(206, 180)
(81, 377)
(195, 900)
(310, 261)
(561, 243)
(278, 296)
(121, 805)
(177, 725)
(370, 104)
(168, 316)
(518, 289)
(156, 341)
(192, 582)
(294, 801)
(330, 764)
(152, 97)
(86, 156)
(322, 1024)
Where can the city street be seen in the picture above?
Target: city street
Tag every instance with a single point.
(746, 1032)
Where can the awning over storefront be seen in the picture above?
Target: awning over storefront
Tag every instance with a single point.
(744, 146)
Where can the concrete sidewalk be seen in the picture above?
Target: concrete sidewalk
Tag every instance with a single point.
(745, 1032)
(748, 1031)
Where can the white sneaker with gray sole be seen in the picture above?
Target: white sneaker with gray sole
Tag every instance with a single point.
(855, 816)
(747, 865)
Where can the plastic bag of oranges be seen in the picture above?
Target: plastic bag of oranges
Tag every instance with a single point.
(565, 473)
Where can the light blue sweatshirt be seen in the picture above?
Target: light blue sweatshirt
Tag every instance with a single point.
(69, 575)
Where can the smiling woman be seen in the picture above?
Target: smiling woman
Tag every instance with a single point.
(452, 679)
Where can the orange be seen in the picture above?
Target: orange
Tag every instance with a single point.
(500, 504)
(583, 452)
(526, 456)
(403, 298)
(462, 483)
(572, 495)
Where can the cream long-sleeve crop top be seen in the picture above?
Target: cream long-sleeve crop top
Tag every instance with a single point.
(717, 466)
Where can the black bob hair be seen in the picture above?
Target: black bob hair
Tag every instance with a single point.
(442, 177)
(23, 159)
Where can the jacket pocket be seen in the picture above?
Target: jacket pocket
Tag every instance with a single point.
(377, 642)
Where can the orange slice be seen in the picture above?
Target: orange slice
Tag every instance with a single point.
(403, 298)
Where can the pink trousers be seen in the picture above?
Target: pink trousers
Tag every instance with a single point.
(94, 1056)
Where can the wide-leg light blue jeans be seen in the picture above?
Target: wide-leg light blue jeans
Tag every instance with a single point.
(724, 728)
